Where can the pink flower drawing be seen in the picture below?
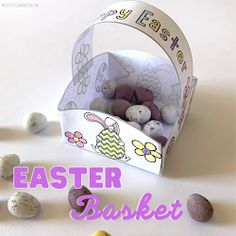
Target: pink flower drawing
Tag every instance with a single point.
(76, 138)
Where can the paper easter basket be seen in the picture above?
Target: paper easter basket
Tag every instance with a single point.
(171, 83)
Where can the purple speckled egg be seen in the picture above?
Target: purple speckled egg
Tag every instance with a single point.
(125, 92)
(74, 194)
(199, 208)
(143, 95)
(119, 108)
(155, 112)
(161, 139)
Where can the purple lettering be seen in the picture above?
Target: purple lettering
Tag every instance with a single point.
(174, 214)
(174, 43)
(165, 34)
(162, 212)
(55, 175)
(108, 213)
(77, 172)
(143, 207)
(95, 177)
(109, 13)
(39, 177)
(113, 176)
(18, 177)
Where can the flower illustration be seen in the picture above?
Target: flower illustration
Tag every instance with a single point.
(71, 105)
(83, 79)
(76, 138)
(148, 150)
(82, 57)
(101, 76)
(126, 63)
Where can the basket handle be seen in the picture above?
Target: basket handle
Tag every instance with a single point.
(158, 26)
(155, 24)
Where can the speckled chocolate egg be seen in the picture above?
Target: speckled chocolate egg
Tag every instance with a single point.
(153, 128)
(169, 114)
(99, 104)
(23, 205)
(109, 88)
(7, 163)
(161, 139)
(74, 194)
(155, 112)
(125, 92)
(100, 233)
(138, 113)
(143, 95)
(119, 108)
(199, 208)
(135, 124)
(35, 122)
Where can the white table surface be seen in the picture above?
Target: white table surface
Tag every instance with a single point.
(35, 68)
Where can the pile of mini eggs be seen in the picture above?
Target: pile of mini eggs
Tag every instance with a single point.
(136, 106)
(21, 204)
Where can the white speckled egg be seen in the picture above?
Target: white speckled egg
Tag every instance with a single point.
(169, 114)
(35, 122)
(99, 104)
(153, 128)
(7, 163)
(135, 124)
(138, 113)
(109, 88)
(23, 205)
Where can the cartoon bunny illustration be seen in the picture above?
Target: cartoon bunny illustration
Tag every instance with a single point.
(108, 141)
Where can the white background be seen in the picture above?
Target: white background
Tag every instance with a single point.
(35, 68)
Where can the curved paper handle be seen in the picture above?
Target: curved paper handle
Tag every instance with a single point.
(159, 27)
